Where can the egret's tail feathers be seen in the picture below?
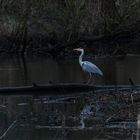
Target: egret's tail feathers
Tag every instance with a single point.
(101, 73)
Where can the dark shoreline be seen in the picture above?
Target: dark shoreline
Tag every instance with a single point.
(45, 46)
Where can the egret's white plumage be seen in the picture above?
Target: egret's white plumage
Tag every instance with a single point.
(92, 68)
(88, 66)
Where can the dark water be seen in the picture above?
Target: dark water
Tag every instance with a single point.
(15, 71)
(92, 117)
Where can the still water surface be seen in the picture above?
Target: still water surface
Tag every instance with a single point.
(32, 113)
(18, 72)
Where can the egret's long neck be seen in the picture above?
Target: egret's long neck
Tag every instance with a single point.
(81, 57)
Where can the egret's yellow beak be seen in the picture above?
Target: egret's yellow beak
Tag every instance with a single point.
(77, 49)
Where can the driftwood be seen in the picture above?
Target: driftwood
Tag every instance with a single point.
(61, 89)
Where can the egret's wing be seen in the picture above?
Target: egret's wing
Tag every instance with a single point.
(90, 67)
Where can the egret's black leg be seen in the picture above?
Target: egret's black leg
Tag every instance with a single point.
(92, 79)
(89, 78)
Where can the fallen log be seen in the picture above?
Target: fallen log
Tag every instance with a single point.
(50, 89)
(60, 89)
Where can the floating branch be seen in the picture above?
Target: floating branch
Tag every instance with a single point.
(123, 124)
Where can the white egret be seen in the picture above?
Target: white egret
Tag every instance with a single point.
(88, 66)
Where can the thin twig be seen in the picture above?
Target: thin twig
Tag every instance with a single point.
(8, 129)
